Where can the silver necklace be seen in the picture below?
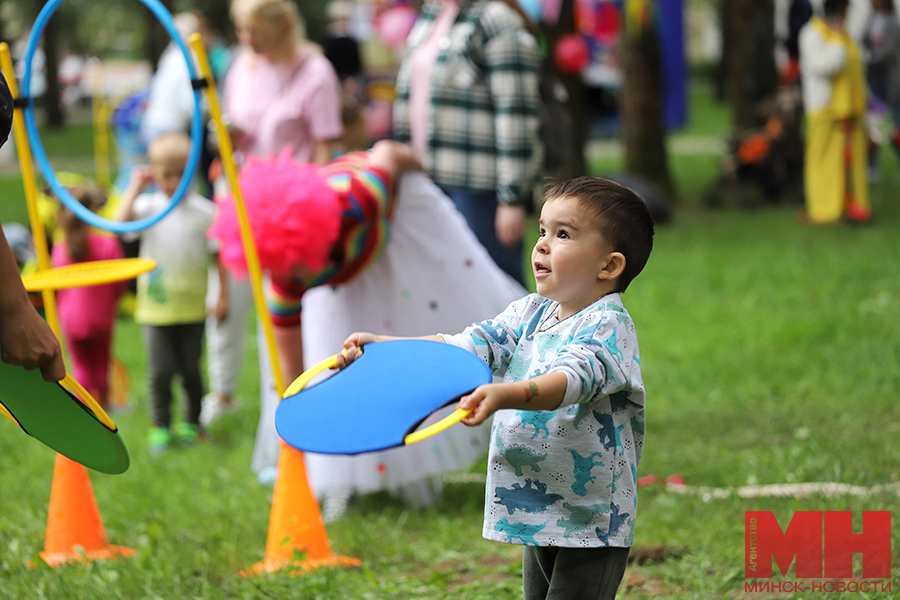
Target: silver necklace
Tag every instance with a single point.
(542, 326)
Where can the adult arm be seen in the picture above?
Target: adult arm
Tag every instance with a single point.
(323, 113)
(818, 55)
(324, 150)
(511, 64)
(289, 343)
(393, 159)
(25, 338)
(220, 312)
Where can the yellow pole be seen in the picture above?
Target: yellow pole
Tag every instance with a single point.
(100, 111)
(295, 521)
(31, 194)
(227, 152)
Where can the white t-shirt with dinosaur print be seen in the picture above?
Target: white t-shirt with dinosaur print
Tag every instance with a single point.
(566, 477)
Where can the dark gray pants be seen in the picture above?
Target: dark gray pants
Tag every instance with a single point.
(552, 573)
(174, 350)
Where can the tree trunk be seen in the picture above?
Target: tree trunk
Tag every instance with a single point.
(641, 107)
(749, 31)
(157, 36)
(52, 98)
(576, 103)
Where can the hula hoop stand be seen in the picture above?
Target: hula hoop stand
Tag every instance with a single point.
(40, 156)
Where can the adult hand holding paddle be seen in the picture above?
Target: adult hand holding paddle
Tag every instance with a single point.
(25, 338)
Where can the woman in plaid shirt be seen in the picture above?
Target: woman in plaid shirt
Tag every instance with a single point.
(467, 102)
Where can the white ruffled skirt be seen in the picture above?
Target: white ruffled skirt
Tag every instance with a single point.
(433, 277)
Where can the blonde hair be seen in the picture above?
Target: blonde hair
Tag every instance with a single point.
(190, 22)
(170, 146)
(271, 11)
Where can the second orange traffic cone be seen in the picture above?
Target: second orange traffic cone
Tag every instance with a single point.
(74, 528)
(297, 537)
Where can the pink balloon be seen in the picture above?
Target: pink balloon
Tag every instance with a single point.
(394, 24)
(572, 53)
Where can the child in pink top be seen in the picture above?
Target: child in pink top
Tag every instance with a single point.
(87, 314)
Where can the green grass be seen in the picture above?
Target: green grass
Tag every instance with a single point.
(770, 355)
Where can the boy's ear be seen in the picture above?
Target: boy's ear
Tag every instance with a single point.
(612, 269)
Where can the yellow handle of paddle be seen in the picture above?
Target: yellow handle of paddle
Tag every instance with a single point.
(452, 419)
(6, 414)
(300, 383)
(79, 392)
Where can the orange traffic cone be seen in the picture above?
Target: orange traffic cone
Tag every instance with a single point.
(74, 528)
(297, 537)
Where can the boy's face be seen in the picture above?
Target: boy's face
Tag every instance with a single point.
(569, 255)
(167, 172)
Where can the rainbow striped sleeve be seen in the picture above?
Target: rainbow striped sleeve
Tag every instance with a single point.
(284, 301)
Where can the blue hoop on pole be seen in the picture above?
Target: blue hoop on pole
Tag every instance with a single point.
(40, 155)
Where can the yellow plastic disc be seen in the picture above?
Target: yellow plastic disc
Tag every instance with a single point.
(87, 273)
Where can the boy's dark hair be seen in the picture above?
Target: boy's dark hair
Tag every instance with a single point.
(621, 215)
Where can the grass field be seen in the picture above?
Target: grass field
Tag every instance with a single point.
(770, 354)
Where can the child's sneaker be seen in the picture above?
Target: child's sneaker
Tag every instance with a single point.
(188, 433)
(158, 440)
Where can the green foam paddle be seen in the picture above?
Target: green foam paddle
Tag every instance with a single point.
(53, 414)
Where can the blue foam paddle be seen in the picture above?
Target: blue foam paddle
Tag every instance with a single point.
(380, 399)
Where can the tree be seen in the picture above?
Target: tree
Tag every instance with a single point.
(157, 37)
(641, 99)
(749, 62)
(575, 93)
(52, 102)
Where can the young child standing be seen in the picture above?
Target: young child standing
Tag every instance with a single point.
(171, 298)
(568, 425)
(87, 314)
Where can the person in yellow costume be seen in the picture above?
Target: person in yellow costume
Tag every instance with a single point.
(834, 97)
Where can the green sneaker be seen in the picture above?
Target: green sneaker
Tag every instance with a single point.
(158, 440)
(188, 433)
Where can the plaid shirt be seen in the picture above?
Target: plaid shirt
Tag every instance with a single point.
(483, 122)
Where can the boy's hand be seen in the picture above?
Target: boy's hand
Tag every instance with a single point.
(141, 176)
(352, 347)
(485, 401)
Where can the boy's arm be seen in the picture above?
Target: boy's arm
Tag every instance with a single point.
(544, 392)
(140, 177)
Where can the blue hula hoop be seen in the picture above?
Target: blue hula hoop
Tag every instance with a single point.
(40, 155)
